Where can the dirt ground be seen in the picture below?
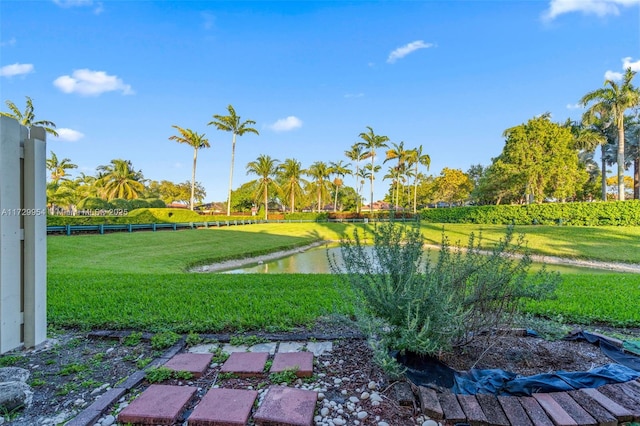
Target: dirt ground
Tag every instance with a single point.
(73, 370)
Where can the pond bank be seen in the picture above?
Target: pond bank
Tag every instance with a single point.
(555, 260)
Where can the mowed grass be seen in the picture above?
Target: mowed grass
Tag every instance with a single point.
(139, 280)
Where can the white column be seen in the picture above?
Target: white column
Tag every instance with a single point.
(11, 133)
(35, 238)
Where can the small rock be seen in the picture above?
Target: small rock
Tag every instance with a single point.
(354, 399)
(14, 395)
(430, 423)
(320, 396)
(365, 395)
(14, 374)
(372, 385)
(324, 412)
(339, 421)
(383, 424)
(108, 421)
(337, 381)
(79, 402)
(363, 415)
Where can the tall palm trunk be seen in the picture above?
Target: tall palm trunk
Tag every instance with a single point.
(266, 202)
(415, 192)
(193, 176)
(233, 154)
(292, 200)
(620, 158)
(604, 172)
(371, 179)
(636, 178)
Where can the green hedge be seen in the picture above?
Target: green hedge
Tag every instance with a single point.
(620, 213)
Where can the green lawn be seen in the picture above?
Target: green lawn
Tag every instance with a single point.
(138, 280)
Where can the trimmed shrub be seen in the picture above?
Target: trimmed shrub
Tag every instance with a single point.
(318, 217)
(620, 213)
(94, 204)
(121, 204)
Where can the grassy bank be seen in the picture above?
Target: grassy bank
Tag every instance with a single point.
(138, 280)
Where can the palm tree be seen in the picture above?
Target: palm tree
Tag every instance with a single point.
(290, 173)
(320, 173)
(369, 172)
(27, 118)
(416, 157)
(356, 154)
(120, 180)
(231, 123)
(340, 170)
(58, 168)
(196, 141)
(370, 142)
(397, 153)
(594, 131)
(616, 99)
(266, 168)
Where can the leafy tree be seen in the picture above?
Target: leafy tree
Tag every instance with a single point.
(28, 117)
(119, 180)
(58, 168)
(267, 169)
(615, 98)
(290, 174)
(232, 123)
(196, 141)
(538, 160)
(415, 157)
(243, 198)
(370, 143)
(356, 154)
(340, 170)
(320, 173)
(613, 187)
(452, 186)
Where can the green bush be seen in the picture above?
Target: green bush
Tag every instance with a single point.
(620, 213)
(94, 203)
(416, 306)
(121, 204)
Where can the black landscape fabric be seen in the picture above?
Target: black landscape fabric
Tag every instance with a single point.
(430, 372)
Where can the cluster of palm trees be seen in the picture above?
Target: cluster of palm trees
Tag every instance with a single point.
(228, 123)
(605, 123)
(285, 180)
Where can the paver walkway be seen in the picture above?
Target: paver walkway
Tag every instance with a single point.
(281, 405)
(608, 405)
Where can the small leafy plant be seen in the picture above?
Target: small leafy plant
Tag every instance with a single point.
(285, 376)
(246, 340)
(132, 339)
(164, 340)
(193, 339)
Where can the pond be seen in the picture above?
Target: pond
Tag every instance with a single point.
(314, 261)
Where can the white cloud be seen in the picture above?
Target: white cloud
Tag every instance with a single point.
(354, 95)
(16, 69)
(627, 63)
(403, 51)
(69, 135)
(91, 83)
(593, 7)
(574, 106)
(612, 75)
(286, 124)
(99, 8)
(10, 42)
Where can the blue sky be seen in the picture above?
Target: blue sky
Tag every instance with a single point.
(450, 76)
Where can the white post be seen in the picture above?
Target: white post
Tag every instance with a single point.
(11, 133)
(35, 238)
(23, 249)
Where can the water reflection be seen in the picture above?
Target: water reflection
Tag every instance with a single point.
(314, 261)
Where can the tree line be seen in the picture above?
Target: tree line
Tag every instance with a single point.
(541, 161)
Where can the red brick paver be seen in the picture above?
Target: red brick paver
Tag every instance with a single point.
(196, 364)
(224, 407)
(301, 361)
(245, 364)
(157, 405)
(284, 406)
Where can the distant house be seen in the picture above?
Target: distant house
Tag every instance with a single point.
(378, 205)
(175, 205)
